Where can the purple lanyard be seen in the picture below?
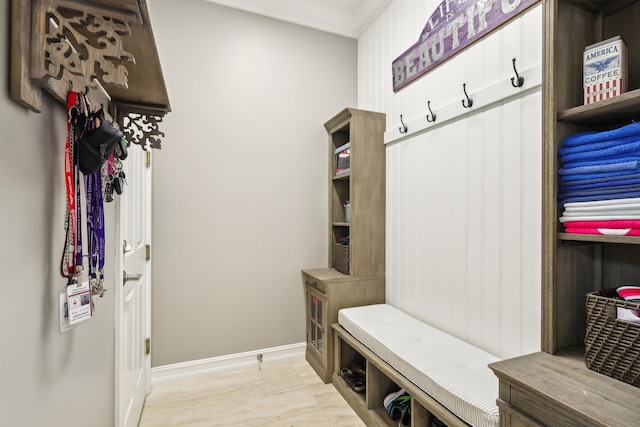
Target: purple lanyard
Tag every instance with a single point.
(95, 224)
(95, 218)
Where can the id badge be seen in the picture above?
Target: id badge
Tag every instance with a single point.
(79, 302)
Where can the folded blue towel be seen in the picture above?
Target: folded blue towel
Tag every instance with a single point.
(617, 150)
(596, 191)
(583, 176)
(571, 181)
(602, 197)
(598, 145)
(591, 137)
(604, 167)
(634, 181)
(607, 161)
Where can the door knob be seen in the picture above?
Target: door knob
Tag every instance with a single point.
(127, 277)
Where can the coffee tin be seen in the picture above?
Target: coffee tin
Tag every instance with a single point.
(605, 70)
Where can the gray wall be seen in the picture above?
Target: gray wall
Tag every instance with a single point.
(240, 191)
(41, 371)
(240, 208)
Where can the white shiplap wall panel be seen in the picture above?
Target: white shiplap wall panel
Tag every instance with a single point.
(463, 198)
(532, 218)
(475, 230)
(492, 213)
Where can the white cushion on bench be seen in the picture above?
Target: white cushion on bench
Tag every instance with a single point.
(453, 372)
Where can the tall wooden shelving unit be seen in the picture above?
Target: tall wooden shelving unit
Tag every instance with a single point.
(554, 387)
(326, 289)
(363, 186)
(576, 264)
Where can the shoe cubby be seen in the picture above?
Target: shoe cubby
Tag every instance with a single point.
(378, 387)
(381, 379)
(345, 357)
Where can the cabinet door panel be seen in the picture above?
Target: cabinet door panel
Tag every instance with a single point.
(316, 322)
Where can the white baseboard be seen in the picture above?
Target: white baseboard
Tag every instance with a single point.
(215, 365)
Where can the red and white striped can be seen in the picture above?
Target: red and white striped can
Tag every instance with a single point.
(605, 70)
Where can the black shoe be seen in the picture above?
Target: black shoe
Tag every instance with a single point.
(405, 418)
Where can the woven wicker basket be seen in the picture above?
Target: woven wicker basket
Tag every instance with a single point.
(612, 346)
(341, 258)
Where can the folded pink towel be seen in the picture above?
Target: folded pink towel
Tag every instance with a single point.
(603, 224)
(605, 231)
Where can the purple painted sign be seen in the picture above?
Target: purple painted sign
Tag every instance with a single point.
(453, 26)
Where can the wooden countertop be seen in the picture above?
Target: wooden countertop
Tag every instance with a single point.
(565, 383)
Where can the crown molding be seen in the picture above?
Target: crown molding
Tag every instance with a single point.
(348, 19)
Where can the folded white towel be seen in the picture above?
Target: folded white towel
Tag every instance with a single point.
(565, 218)
(627, 201)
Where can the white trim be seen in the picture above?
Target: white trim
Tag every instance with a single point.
(118, 321)
(215, 365)
(482, 99)
(323, 16)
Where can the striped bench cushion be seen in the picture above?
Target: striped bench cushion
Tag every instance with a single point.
(453, 372)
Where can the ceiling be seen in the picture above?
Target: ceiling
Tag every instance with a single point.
(349, 18)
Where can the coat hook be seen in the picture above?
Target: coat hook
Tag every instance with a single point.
(518, 77)
(431, 119)
(403, 129)
(469, 100)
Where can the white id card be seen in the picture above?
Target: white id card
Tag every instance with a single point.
(79, 302)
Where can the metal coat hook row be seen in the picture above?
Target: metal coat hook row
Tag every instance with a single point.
(403, 129)
(469, 101)
(518, 77)
(431, 119)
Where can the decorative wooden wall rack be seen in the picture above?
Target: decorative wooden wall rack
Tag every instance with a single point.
(104, 48)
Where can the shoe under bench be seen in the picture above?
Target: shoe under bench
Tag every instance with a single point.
(381, 379)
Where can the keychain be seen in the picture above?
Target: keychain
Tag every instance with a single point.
(114, 177)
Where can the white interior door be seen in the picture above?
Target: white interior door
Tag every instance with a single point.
(133, 298)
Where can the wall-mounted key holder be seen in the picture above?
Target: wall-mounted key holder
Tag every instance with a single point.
(104, 49)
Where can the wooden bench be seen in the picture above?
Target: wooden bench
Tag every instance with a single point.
(446, 377)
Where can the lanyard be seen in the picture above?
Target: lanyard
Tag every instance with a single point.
(68, 264)
(78, 224)
(95, 225)
(71, 264)
(95, 216)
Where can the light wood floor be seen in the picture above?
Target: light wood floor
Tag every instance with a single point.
(286, 393)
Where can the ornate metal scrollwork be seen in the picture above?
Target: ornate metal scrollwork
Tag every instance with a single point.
(142, 129)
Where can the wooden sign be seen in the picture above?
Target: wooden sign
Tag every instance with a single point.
(453, 26)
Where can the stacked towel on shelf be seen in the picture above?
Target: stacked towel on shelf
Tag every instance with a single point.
(599, 182)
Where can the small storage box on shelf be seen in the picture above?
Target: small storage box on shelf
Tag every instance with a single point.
(612, 346)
